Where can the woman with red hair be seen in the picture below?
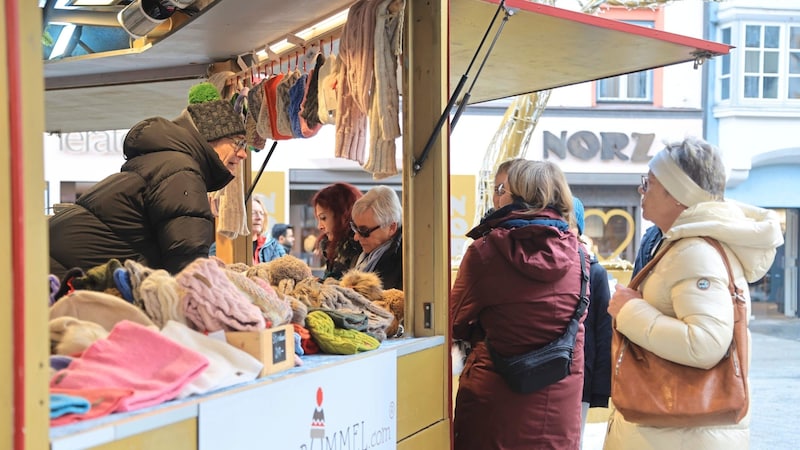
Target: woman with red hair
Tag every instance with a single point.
(332, 207)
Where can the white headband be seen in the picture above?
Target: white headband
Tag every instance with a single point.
(676, 182)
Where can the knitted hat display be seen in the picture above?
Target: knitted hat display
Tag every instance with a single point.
(227, 365)
(255, 99)
(103, 309)
(212, 302)
(347, 320)
(66, 282)
(161, 299)
(306, 343)
(55, 285)
(98, 278)
(288, 267)
(338, 341)
(283, 122)
(276, 311)
(296, 93)
(103, 402)
(327, 90)
(351, 301)
(263, 127)
(213, 117)
(61, 404)
(71, 336)
(368, 284)
(122, 279)
(271, 98)
(309, 111)
(393, 300)
(133, 357)
(137, 273)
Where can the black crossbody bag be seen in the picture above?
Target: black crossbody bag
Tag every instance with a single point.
(540, 368)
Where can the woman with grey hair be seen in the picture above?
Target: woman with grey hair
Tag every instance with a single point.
(377, 223)
(682, 310)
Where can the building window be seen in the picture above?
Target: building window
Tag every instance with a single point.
(725, 67)
(794, 63)
(769, 62)
(761, 60)
(632, 87)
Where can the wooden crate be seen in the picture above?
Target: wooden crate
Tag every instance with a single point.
(274, 347)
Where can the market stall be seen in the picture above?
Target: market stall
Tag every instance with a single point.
(412, 373)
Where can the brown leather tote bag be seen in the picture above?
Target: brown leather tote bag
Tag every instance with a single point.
(653, 391)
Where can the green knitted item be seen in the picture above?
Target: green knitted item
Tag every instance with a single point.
(98, 278)
(338, 341)
(203, 92)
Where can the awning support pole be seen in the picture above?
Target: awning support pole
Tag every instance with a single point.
(446, 113)
(465, 100)
(260, 171)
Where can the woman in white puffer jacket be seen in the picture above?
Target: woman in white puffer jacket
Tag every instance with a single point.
(682, 311)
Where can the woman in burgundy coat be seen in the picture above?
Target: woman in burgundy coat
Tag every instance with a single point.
(518, 285)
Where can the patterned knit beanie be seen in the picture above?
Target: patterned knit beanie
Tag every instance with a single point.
(213, 117)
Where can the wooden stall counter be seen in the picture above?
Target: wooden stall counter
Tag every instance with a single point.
(370, 400)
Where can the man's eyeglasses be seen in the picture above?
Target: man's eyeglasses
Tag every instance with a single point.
(500, 189)
(645, 183)
(364, 232)
(240, 144)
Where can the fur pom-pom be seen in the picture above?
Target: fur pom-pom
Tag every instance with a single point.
(367, 284)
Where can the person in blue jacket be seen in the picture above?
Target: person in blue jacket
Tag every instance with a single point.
(597, 343)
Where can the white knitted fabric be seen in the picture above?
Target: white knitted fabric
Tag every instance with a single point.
(227, 365)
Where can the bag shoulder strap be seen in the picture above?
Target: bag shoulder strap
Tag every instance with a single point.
(583, 301)
(637, 280)
(735, 291)
(642, 274)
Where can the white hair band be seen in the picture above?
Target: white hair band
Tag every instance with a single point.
(676, 182)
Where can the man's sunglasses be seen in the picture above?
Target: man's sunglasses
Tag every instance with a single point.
(364, 232)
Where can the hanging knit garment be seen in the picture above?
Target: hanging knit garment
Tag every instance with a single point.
(232, 220)
(384, 114)
(283, 101)
(355, 80)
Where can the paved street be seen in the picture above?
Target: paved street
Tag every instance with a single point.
(774, 384)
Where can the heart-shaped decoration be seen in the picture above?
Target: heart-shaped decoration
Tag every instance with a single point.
(609, 237)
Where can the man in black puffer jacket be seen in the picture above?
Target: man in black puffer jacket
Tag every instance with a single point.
(156, 210)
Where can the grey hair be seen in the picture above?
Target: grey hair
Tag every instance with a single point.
(505, 165)
(383, 202)
(540, 184)
(702, 162)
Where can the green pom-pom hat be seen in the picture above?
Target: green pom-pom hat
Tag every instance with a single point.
(203, 92)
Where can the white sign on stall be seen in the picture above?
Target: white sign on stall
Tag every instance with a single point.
(348, 406)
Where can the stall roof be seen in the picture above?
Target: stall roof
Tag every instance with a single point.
(541, 47)
(544, 47)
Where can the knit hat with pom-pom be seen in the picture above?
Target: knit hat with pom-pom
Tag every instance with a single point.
(213, 117)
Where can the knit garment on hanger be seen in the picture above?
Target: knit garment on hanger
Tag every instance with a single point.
(232, 220)
(384, 114)
(356, 54)
(283, 101)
